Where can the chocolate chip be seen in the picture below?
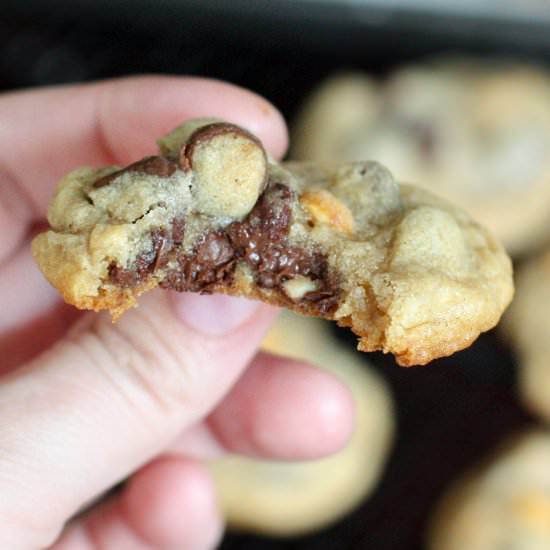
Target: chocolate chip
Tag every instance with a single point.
(178, 227)
(215, 250)
(153, 166)
(260, 241)
(145, 264)
(123, 278)
(266, 279)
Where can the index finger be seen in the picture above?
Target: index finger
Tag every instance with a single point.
(46, 133)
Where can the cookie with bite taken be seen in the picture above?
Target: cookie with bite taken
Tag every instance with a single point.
(411, 274)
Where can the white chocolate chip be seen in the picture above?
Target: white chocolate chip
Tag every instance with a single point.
(298, 287)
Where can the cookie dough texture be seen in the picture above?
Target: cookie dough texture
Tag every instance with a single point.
(410, 274)
(527, 327)
(503, 505)
(293, 498)
(475, 132)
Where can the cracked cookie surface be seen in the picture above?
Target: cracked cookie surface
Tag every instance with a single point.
(409, 273)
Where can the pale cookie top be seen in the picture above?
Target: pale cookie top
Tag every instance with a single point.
(503, 505)
(475, 132)
(409, 273)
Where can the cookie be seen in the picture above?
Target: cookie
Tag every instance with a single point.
(475, 132)
(527, 327)
(505, 504)
(410, 274)
(293, 498)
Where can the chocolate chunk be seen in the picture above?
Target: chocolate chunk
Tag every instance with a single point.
(124, 278)
(266, 279)
(260, 239)
(153, 166)
(325, 300)
(145, 264)
(106, 180)
(192, 275)
(210, 264)
(215, 250)
(178, 227)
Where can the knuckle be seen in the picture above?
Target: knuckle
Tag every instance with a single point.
(141, 362)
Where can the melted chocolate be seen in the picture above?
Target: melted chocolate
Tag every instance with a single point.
(260, 241)
(153, 166)
(212, 263)
(145, 264)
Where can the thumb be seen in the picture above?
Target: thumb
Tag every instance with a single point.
(108, 398)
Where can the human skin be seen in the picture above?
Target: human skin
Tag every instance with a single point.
(84, 403)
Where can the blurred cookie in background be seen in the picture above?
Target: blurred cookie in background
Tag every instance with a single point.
(475, 132)
(504, 505)
(526, 326)
(336, 117)
(293, 498)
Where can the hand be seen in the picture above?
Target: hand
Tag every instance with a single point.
(84, 404)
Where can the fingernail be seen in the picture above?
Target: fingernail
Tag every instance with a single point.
(212, 315)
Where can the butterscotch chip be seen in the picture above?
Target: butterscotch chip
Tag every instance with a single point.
(505, 503)
(324, 207)
(410, 274)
